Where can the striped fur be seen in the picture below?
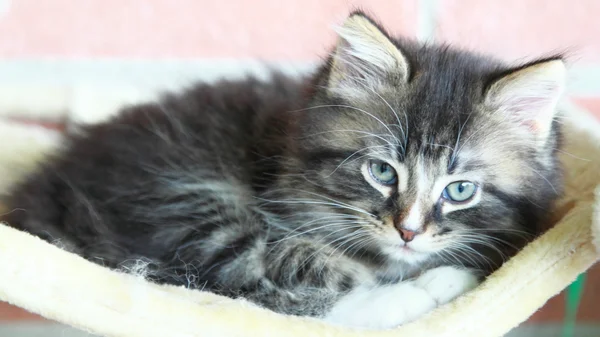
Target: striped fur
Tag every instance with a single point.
(259, 189)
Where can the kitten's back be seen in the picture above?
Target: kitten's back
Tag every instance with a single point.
(130, 187)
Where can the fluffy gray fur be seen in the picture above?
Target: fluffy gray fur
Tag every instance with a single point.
(258, 189)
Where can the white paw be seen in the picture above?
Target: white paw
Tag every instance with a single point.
(381, 307)
(444, 284)
(389, 306)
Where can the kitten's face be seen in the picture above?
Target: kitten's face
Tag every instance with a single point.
(426, 186)
(446, 157)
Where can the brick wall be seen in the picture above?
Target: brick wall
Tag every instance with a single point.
(128, 32)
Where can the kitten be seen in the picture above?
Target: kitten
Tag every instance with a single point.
(388, 183)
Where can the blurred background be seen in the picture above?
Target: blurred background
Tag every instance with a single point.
(64, 61)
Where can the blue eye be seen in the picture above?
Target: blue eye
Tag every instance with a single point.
(382, 172)
(459, 191)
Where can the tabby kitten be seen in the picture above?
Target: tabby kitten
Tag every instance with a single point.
(388, 183)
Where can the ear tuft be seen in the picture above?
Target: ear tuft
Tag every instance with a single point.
(364, 56)
(530, 95)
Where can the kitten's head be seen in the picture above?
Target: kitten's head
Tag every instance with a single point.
(425, 151)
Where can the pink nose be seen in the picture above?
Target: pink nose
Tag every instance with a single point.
(407, 235)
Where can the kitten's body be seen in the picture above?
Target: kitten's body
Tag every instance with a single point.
(258, 189)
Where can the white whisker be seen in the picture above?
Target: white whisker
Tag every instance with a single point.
(357, 109)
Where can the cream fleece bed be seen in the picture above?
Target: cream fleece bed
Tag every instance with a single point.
(44, 279)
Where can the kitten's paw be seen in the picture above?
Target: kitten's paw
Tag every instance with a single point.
(393, 305)
(382, 307)
(446, 283)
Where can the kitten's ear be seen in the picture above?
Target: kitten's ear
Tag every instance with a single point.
(364, 56)
(530, 95)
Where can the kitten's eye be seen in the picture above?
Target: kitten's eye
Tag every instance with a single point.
(459, 191)
(382, 172)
